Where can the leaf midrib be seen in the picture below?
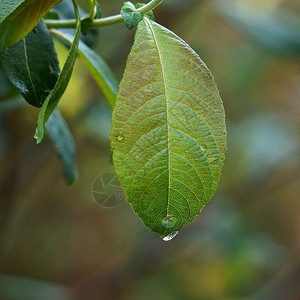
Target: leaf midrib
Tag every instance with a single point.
(28, 71)
(167, 106)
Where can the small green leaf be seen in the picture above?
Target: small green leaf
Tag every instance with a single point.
(61, 84)
(168, 132)
(130, 15)
(59, 132)
(148, 14)
(36, 69)
(19, 17)
(98, 69)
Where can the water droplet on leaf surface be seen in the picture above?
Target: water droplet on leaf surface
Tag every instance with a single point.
(120, 137)
(36, 133)
(170, 236)
(169, 221)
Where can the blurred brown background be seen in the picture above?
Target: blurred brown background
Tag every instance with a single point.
(56, 242)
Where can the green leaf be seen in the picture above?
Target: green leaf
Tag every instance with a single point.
(59, 132)
(7, 90)
(97, 67)
(61, 84)
(130, 15)
(19, 17)
(36, 69)
(168, 133)
(101, 72)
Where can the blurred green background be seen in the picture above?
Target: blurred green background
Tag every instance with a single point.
(56, 242)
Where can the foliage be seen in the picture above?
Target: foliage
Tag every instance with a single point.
(168, 133)
(33, 74)
(62, 139)
(168, 130)
(61, 84)
(130, 15)
(57, 243)
(18, 17)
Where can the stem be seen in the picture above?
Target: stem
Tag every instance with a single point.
(103, 21)
(92, 9)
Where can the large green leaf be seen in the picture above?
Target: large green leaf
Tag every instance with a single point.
(59, 132)
(18, 17)
(97, 67)
(168, 132)
(32, 65)
(61, 84)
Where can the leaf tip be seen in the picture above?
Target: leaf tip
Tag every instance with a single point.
(71, 178)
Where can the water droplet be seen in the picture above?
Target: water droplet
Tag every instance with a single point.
(36, 134)
(120, 138)
(167, 218)
(170, 236)
(169, 221)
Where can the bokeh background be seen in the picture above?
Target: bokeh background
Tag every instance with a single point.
(56, 242)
